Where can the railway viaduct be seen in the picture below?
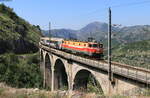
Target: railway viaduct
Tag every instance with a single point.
(64, 70)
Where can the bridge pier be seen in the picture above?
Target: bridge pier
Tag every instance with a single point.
(44, 73)
(121, 87)
(70, 79)
(44, 76)
(52, 84)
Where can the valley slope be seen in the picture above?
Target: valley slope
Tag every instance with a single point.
(135, 54)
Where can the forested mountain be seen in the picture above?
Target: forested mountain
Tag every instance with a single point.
(135, 54)
(134, 33)
(61, 33)
(16, 34)
(19, 67)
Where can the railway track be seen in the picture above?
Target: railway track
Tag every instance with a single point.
(134, 73)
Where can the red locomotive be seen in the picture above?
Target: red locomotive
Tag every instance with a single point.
(92, 49)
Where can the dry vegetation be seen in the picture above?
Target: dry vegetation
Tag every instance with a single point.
(9, 92)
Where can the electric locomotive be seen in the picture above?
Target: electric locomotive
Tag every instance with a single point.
(92, 49)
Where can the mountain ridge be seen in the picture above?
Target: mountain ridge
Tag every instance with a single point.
(98, 30)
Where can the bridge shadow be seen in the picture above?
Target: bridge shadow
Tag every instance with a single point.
(48, 72)
(41, 56)
(60, 76)
(85, 82)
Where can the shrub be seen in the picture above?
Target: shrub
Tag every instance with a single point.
(18, 72)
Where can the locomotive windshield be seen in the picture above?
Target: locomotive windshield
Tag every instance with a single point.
(93, 45)
(96, 45)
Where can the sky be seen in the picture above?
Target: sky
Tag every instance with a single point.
(75, 14)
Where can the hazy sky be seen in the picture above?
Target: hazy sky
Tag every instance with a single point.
(75, 14)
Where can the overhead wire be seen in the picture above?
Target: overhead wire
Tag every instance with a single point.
(103, 11)
(117, 6)
(131, 4)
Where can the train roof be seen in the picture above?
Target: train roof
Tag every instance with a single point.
(94, 42)
(52, 38)
(58, 39)
(45, 38)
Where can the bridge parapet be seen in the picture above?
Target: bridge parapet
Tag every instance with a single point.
(130, 72)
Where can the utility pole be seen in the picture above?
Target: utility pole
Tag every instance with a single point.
(109, 46)
(49, 32)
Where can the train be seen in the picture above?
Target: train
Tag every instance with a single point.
(88, 48)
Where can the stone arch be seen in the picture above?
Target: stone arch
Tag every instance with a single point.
(60, 75)
(83, 78)
(48, 71)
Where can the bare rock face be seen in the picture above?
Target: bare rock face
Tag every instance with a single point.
(22, 46)
(18, 46)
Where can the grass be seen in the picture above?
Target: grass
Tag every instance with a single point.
(9, 92)
(19, 93)
(146, 92)
(1, 90)
(120, 96)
